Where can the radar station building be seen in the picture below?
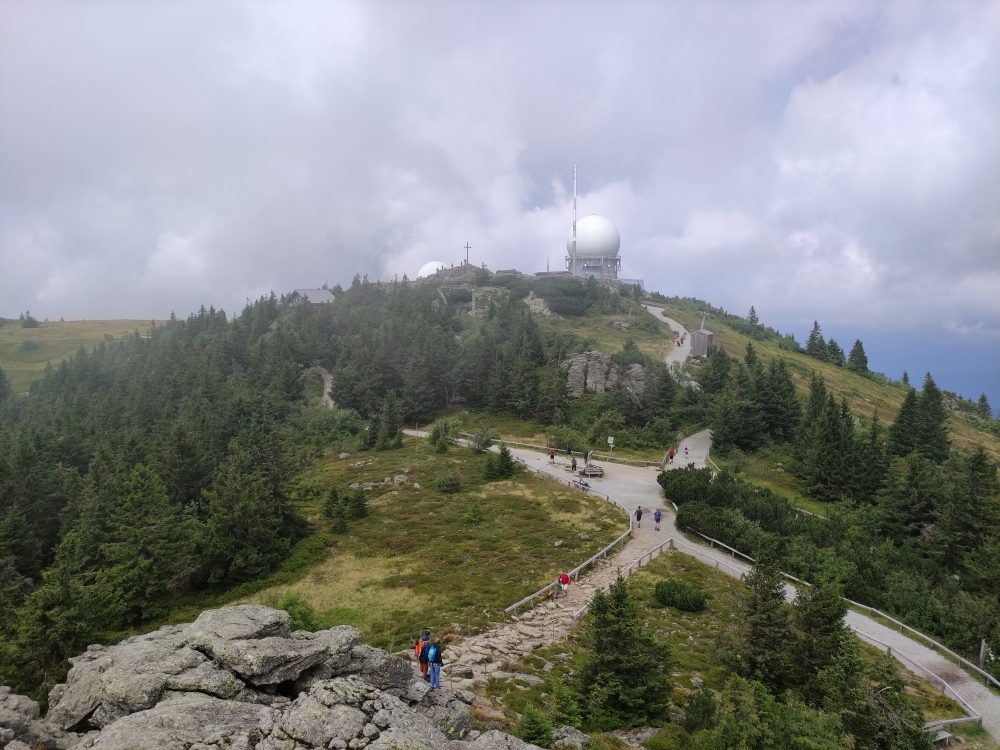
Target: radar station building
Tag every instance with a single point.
(597, 245)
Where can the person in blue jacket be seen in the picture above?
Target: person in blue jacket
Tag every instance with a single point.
(435, 659)
(656, 518)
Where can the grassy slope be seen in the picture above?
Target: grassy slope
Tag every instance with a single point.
(413, 563)
(57, 341)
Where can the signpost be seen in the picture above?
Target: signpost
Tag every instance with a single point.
(611, 444)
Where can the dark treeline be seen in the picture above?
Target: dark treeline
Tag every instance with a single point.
(158, 465)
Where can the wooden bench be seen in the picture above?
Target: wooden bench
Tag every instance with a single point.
(593, 471)
(942, 738)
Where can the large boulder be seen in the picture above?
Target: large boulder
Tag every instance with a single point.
(106, 684)
(268, 661)
(241, 623)
(183, 720)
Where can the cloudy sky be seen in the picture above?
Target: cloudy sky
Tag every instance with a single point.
(829, 160)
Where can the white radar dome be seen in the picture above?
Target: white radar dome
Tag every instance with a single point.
(595, 237)
(429, 269)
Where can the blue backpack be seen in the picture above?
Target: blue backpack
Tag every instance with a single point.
(432, 653)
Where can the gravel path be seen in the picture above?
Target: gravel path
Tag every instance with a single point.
(676, 354)
(327, 385)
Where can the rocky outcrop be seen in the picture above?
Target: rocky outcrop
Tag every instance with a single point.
(540, 306)
(596, 372)
(237, 678)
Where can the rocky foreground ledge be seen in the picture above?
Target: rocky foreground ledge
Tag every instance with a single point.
(238, 678)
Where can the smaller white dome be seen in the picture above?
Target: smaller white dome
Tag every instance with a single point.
(428, 269)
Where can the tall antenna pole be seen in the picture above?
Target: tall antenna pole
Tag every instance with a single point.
(574, 219)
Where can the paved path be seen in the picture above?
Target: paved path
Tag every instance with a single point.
(676, 354)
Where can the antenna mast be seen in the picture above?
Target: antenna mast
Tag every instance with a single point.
(574, 219)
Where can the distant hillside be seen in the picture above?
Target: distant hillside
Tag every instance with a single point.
(24, 352)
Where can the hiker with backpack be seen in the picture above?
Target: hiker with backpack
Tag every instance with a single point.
(435, 659)
(638, 517)
(423, 645)
(656, 519)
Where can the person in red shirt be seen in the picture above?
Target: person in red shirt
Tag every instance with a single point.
(670, 455)
(564, 582)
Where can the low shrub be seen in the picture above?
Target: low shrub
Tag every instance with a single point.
(674, 593)
(449, 484)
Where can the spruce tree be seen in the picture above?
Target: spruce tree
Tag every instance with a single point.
(873, 464)
(626, 681)
(857, 360)
(750, 359)
(357, 504)
(716, 373)
(782, 411)
(5, 390)
(836, 353)
(905, 430)
(815, 345)
(970, 513)
(331, 502)
(905, 379)
(831, 460)
(911, 499)
(817, 398)
(984, 405)
(752, 317)
(759, 650)
(566, 711)
(390, 424)
(151, 551)
(932, 437)
(249, 527)
(339, 518)
(818, 621)
(535, 728)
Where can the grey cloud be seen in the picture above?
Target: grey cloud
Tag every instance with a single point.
(833, 160)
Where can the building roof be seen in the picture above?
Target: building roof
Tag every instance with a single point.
(315, 295)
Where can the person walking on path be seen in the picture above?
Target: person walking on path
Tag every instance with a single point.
(656, 518)
(573, 463)
(670, 455)
(422, 656)
(564, 582)
(685, 452)
(569, 451)
(552, 455)
(435, 658)
(638, 517)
